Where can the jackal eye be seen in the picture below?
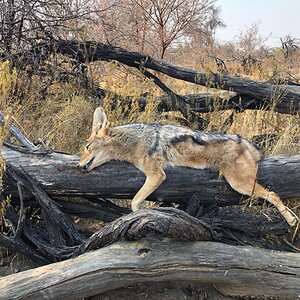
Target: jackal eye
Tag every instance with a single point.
(87, 146)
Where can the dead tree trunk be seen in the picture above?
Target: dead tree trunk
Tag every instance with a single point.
(201, 103)
(287, 98)
(58, 175)
(250, 92)
(233, 270)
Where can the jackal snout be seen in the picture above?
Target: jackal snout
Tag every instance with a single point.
(85, 163)
(87, 156)
(95, 152)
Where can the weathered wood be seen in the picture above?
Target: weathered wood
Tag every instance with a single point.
(230, 218)
(254, 224)
(165, 222)
(229, 224)
(20, 246)
(177, 102)
(287, 97)
(233, 270)
(56, 237)
(14, 131)
(103, 210)
(58, 175)
(202, 103)
(48, 206)
(226, 224)
(40, 242)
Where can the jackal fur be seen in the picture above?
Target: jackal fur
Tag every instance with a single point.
(152, 148)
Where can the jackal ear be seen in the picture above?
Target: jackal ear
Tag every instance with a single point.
(99, 120)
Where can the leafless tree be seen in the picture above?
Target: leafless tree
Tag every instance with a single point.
(251, 48)
(250, 42)
(289, 45)
(155, 25)
(25, 23)
(28, 34)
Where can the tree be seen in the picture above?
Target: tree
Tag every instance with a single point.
(289, 45)
(26, 23)
(251, 48)
(156, 25)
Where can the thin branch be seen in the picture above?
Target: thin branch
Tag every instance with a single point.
(21, 213)
(179, 102)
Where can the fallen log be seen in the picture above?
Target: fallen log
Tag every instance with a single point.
(46, 241)
(201, 103)
(253, 94)
(58, 176)
(233, 270)
(34, 169)
(164, 222)
(232, 218)
(231, 224)
(287, 98)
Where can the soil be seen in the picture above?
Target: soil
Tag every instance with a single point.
(15, 263)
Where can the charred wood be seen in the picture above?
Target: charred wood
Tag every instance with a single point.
(287, 97)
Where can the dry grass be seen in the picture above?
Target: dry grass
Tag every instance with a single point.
(61, 121)
(62, 117)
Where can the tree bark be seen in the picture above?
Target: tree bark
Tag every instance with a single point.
(234, 270)
(286, 98)
(58, 176)
(200, 103)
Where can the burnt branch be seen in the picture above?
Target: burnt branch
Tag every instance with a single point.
(287, 98)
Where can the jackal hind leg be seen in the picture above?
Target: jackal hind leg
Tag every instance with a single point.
(243, 180)
(153, 181)
(261, 192)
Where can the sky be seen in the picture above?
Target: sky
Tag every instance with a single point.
(277, 18)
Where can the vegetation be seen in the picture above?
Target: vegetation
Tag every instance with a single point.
(51, 96)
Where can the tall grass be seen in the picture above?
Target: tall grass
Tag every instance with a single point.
(62, 117)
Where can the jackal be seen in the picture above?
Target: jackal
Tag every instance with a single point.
(152, 148)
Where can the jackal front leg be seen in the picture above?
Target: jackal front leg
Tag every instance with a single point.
(152, 182)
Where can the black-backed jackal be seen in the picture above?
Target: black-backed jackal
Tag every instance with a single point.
(151, 148)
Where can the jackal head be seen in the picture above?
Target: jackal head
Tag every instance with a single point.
(96, 151)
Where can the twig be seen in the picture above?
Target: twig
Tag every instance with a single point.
(21, 219)
(180, 102)
(14, 131)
